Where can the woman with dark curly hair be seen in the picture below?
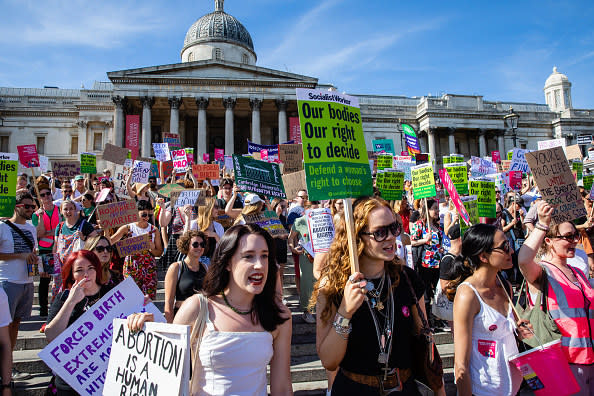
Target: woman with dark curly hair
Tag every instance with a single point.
(247, 328)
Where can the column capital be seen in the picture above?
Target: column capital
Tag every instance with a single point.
(82, 124)
(255, 104)
(430, 131)
(482, 131)
(451, 130)
(175, 102)
(147, 101)
(281, 104)
(229, 103)
(120, 101)
(109, 123)
(202, 103)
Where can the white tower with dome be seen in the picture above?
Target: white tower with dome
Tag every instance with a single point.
(557, 91)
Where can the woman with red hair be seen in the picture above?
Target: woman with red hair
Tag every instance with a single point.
(82, 283)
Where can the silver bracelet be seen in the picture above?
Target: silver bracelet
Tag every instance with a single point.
(342, 326)
(541, 227)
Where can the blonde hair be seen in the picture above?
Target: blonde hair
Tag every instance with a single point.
(249, 210)
(335, 273)
(91, 244)
(204, 220)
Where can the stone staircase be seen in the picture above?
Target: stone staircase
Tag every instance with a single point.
(307, 374)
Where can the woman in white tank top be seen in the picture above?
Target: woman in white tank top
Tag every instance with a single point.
(484, 325)
(247, 327)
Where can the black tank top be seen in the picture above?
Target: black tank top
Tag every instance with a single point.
(189, 282)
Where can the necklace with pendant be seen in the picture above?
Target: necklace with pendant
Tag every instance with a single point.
(384, 336)
(233, 308)
(374, 294)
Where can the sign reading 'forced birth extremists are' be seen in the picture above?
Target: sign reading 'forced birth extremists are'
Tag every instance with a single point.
(485, 194)
(390, 183)
(459, 175)
(334, 151)
(258, 177)
(556, 183)
(8, 179)
(423, 181)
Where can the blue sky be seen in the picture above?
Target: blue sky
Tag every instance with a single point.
(502, 50)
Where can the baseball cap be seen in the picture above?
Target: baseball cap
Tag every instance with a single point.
(252, 199)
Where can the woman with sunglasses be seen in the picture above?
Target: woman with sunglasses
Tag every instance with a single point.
(142, 266)
(484, 322)
(184, 278)
(88, 203)
(569, 294)
(206, 223)
(101, 246)
(364, 322)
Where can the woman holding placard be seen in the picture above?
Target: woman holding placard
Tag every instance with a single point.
(142, 266)
(245, 326)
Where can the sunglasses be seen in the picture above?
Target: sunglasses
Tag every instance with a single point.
(575, 237)
(67, 191)
(45, 194)
(196, 245)
(101, 249)
(382, 233)
(504, 247)
(26, 206)
(302, 196)
(145, 215)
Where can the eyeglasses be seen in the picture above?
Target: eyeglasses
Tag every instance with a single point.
(575, 237)
(196, 245)
(26, 206)
(145, 215)
(382, 233)
(504, 247)
(43, 195)
(101, 249)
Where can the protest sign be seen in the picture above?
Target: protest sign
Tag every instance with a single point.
(180, 161)
(423, 181)
(180, 198)
(154, 172)
(135, 245)
(88, 163)
(505, 165)
(119, 180)
(515, 180)
(43, 163)
(291, 155)
(334, 151)
(258, 177)
(140, 172)
(495, 156)
(206, 157)
(556, 183)
(162, 151)
(412, 143)
(133, 135)
(293, 183)
(385, 145)
(390, 183)
(471, 206)
(219, 154)
(28, 155)
(588, 179)
(152, 361)
(518, 160)
(8, 180)
(115, 154)
(454, 196)
(80, 355)
(421, 158)
(172, 140)
(485, 193)
(321, 229)
(446, 159)
(404, 165)
(205, 171)
(544, 144)
(190, 155)
(458, 173)
(65, 169)
(578, 167)
(271, 150)
(268, 220)
(117, 214)
(573, 152)
(102, 195)
(481, 167)
(384, 161)
(167, 189)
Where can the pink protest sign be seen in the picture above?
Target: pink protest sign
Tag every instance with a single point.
(206, 157)
(496, 156)
(28, 155)
(219, 154)
(102, 195)
(264, 155)
(515, 180)
(449, 186)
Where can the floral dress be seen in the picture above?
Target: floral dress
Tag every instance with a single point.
(433, 250)
(142, 267)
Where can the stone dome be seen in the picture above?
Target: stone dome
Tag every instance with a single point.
(556, 78)
(218, 26)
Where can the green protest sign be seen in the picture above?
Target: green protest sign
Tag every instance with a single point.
(88, 163)
(485, 194)
(588, 179)
(334, 151)
(384, 161)
(459, 175)
(510, 154)
(423, 181)
(258, 177)
(9, 167)
(578, 167)
(471, 205)
(391, 184)
(447, 159)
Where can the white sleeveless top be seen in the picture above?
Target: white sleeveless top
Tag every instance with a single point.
(234, 363)
(137, 231)
(493, 342)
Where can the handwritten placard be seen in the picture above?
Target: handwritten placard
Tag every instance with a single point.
(162, 151)
(180, 160)
(518, 160)
(141, 171)
(269, 221)
(291, 155)
(117, 214)
(65, 169)
(115, 154)
(205, 171)
(135, 245)
(293, 183)
(185, 197)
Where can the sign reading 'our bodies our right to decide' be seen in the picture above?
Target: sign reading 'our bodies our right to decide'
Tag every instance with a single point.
(334, 151)
(423, 181)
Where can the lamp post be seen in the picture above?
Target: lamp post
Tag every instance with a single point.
(511, 119)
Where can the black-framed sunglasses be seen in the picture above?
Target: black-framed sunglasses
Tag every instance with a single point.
(145, 215)
(575, 237)
(382, 233)
(196, 245)
(504, 247)
(101, 249)
(43, 195)
(26, 206)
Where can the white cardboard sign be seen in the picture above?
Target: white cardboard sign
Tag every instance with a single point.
(141, 172)
(321, 229)
(162, 152)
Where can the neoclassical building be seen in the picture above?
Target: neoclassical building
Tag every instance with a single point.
(217, 97)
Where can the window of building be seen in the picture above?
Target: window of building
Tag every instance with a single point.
(191, 57)
(218, 54)
(523, 146)
(245, 59)
(566, 96)
(5, 144)
(41, 144)
(74, 145)
(97, 141)
(557, 97)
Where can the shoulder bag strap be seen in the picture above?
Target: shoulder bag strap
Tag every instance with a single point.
(424, 322)
(21, 233)
(196, 338)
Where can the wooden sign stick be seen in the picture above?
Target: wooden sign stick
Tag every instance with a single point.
(35, 182)
(351, 237)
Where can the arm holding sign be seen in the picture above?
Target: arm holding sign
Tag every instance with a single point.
(123, 230)
(531, 269)
(229, 211)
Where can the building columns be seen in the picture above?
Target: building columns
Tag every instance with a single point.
(82, 136)
(256, 105)
(451, 141)
(174, 104)
(501, 144)
(119, 120)
(147, 103)
(202, 104)
(482, 143)
(229, 104)
(431, 141)
(281, 104)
